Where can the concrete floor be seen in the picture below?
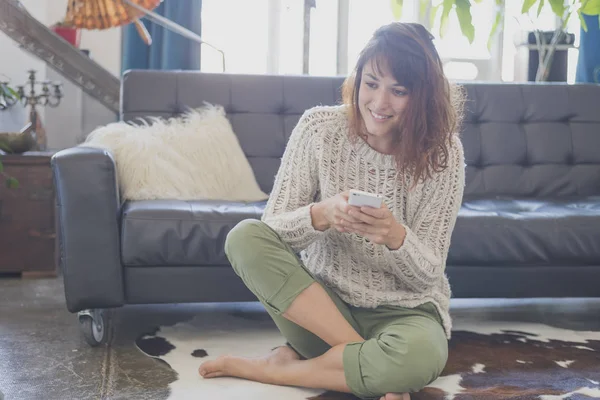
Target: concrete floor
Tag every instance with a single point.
(44, 356)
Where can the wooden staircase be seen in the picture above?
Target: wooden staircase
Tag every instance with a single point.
(67, 60)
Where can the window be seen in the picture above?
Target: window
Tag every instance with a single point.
(323, 38)
(291, 35)
(240, 29)
(365, 16)
(463, 60)
(266, 36)
(516, 56)
(455, 44)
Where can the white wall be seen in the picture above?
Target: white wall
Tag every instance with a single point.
(78, 113)
(21, 61)
(15, 71)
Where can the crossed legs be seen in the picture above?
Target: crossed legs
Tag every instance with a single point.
(283, 365)
(316, 323)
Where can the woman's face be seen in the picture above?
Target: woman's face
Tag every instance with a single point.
(381, 101)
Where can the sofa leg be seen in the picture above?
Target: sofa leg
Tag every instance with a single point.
(94, 326)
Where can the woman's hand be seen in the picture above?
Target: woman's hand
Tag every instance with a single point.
(333, 213)
(378, 225)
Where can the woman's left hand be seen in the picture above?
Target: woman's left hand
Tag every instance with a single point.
(378, 225)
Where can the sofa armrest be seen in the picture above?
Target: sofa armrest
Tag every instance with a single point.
(88, 211)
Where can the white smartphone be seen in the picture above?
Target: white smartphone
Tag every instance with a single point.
(359, 198)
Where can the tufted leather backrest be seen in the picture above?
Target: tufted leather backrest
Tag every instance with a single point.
(262, 109)
(529, 139)
(520, 139)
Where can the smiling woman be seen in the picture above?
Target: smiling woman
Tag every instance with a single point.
(381, 102)
(389, 72)
(365, 309)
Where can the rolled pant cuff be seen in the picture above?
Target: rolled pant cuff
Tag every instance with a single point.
(352, 372)
(295, 284)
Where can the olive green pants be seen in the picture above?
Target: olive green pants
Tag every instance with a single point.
(404, 349)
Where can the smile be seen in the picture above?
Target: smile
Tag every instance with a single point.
(380, 117)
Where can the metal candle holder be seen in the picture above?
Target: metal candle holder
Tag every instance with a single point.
(48, 97)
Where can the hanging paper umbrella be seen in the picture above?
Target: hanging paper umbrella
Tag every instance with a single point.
(105, 14)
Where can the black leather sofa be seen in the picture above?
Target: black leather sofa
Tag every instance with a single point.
(529, 225)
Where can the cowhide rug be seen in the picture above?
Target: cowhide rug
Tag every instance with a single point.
(487, 360)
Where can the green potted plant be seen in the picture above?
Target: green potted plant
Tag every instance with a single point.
(546, 48)
(8, 97)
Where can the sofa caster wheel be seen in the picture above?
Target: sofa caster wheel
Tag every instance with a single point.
(94, 326)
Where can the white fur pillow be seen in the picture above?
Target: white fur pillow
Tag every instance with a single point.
(195, 156)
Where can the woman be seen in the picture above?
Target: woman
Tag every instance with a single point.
(365, 308)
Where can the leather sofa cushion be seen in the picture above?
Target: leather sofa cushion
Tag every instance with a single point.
(500, 231)
(513, 232)
(174, 232)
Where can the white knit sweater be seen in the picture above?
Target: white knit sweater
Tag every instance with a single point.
(320, 162)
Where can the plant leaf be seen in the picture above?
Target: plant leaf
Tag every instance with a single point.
(591, 7)
(12, 92)
(540, 7)
(582, 21)
(423, 9)
(527, 4)
(5, 91)
(434, 12)
(397, 9)
(558, 6)
(12, 183)
(446, 7)
(1, 167)
(494, 28)
(463, 12)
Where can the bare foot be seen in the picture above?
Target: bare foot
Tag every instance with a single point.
(254, 369)
(396, 396)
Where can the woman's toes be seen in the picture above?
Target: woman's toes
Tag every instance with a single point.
(212, 375)
(210, 369)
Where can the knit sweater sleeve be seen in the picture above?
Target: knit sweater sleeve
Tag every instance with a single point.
(288, 209)
(421, 260)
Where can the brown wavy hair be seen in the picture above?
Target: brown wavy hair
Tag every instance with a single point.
(434, 110)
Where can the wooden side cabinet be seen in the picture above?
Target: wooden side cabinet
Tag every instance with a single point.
(27, 216)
